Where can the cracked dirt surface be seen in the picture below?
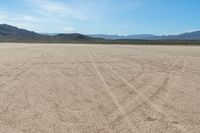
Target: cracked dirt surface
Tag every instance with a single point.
(82, 88)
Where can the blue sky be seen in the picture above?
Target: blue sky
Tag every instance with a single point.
(103, 16)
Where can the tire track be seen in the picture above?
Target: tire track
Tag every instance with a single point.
(15, 78)
(12, 95)
(182, 71)
(160, 88)
(83, 79)
(136, 76)
(156, 107)
(120, 108)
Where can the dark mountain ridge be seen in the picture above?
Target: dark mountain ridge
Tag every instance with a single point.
(10, 33)
(8, 30)
(13, 34)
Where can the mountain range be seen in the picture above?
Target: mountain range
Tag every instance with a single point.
(113, 37)
(185, 36)
(10, 33)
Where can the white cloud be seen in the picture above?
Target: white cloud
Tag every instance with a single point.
(36, 23)
(50, 7)
(20, 20)
(64, 15)
(11, 17)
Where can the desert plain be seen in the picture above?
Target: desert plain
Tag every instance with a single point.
(88, 88)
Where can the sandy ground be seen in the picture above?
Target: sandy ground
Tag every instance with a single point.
(70, 88)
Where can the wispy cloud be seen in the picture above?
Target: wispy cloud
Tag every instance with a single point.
(83, 16)
(40, 21)
(61, 9)
(21, 20)
(32, 22)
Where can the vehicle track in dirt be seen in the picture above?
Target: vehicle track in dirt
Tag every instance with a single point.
(59, 88)
(148, 100)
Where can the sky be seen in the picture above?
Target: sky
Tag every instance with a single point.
(122, 17)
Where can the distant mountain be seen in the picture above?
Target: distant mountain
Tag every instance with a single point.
(185, 36)
(140, 36)
(114, 37)
(73, 36)
(8, 30)
(10, 33)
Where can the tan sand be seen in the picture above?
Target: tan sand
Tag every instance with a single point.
(82, 88)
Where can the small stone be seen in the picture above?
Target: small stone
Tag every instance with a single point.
(151, 119)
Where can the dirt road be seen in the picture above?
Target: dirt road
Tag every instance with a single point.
(71, 88)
